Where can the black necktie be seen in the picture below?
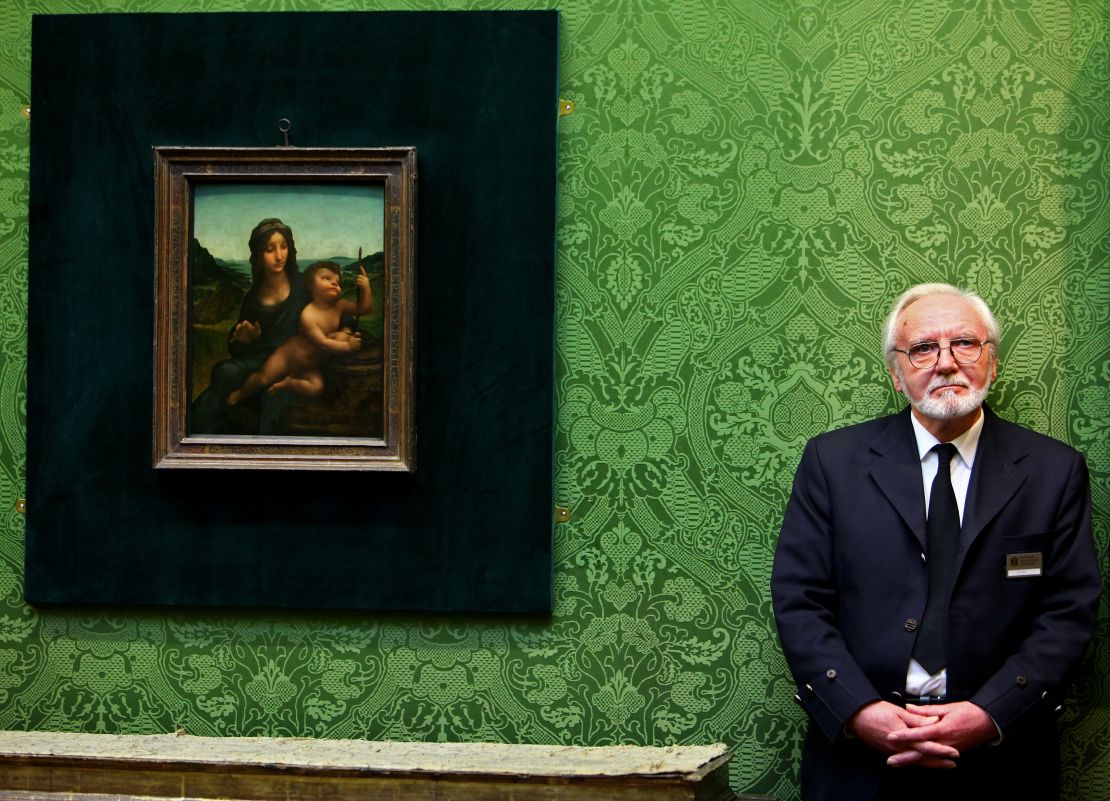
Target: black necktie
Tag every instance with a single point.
(942, 539)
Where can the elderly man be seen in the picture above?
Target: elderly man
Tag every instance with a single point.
(935, 581)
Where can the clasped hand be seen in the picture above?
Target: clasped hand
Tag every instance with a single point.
(926, 736)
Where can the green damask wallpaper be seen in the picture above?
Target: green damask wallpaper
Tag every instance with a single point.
(742, 191)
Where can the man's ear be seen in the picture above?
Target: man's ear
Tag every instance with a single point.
(897, 381)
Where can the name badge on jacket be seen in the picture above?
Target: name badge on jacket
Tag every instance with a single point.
(1023, 565)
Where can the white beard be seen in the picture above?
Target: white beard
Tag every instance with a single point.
(948, 405)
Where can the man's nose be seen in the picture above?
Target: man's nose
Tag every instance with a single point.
(945, 362)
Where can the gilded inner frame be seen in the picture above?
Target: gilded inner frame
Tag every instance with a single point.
(284, 327)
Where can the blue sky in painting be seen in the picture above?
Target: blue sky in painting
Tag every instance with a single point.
(327, 219)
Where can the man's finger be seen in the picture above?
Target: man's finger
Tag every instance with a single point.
(916, 719)
(905, 758)
(918, 734)
(934, 711)
(931, 748)
(918, 752)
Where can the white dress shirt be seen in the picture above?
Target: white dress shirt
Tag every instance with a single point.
(918, 680)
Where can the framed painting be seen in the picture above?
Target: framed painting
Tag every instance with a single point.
(284, 308)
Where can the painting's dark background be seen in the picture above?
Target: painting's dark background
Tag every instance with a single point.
(471, 530)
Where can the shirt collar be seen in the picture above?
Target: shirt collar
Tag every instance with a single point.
(967, 443)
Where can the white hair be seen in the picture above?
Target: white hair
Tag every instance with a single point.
(916, 293)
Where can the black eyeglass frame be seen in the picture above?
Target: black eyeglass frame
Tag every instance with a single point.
(950, 348)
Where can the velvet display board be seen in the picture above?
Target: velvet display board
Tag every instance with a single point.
(476, 94)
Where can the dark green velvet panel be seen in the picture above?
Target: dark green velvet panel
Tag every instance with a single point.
(471, 530)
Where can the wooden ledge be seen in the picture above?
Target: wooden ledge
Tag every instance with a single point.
(47, 766)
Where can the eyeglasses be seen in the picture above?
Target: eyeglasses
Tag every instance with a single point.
(926, 354)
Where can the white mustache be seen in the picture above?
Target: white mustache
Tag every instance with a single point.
(947, 383)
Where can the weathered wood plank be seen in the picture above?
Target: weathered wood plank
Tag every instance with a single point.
(46, 766)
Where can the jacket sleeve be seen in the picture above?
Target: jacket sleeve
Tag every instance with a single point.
(1062, 621)
(831, 684)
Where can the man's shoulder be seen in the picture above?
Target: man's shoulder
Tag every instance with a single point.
(1013, 438)
(1019, 439)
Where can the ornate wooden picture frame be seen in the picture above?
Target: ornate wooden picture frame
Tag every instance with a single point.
(284, 297)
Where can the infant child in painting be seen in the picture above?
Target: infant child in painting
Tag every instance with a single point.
(294, 364)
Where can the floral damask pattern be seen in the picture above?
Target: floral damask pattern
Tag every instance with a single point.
(742, 188)
(992, 149)
(790, 385)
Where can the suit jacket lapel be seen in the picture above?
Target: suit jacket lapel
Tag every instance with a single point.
(896, 469)
(995, 477)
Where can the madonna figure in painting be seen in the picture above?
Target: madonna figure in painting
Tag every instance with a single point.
(268, 316)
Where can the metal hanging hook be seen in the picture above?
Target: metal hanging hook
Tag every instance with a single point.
(284, 125)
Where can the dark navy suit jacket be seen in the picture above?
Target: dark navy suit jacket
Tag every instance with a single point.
(850, 583)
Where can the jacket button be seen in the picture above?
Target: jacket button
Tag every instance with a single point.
(830, 673)
(911, 624)
(1022, 681)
